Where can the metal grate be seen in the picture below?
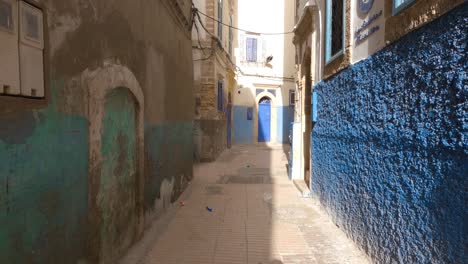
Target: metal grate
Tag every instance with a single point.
(337, 27)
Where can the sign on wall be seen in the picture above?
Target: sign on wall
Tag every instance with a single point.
(368, 28)
(365, 6)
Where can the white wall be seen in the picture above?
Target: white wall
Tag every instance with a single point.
(266, 16)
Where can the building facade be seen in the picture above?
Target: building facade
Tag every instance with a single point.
(264, 97)
(387, 117)
(213, 44)
(95, 132)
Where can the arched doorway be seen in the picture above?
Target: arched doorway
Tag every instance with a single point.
(229, 120)
(116, 167)
(264, 119)
(116, 197)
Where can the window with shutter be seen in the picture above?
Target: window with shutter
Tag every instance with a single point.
(220, 96)
(220, 19)
(292, 97)
(251, 49)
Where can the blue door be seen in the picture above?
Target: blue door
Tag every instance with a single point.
(264, 120)
(228, 113)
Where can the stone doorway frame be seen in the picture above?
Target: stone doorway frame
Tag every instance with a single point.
(98, 84)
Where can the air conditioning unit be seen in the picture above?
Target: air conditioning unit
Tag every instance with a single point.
(31, 46)
(9, 52)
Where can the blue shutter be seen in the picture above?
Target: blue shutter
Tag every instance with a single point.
(254, 50)
(220, 18)
(248, 49)
(220, 96)
(251, 47)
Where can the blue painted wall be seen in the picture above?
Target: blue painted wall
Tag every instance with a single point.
(390, 150)
(243, 128)
(168, 156)
(43, 186)
(285, 115)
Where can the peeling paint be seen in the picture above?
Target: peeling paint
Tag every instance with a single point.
(39, 182)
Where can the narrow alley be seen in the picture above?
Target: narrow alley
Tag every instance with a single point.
(233, 131)
(243, 209)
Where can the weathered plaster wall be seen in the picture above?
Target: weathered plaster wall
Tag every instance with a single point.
(212, 135)
(212, 63)
(43, 185)
(390, 151)
(168, 164)
(50, 163)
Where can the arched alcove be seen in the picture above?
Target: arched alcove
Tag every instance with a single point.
(116, 138)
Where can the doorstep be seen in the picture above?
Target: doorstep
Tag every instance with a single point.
(302, 187)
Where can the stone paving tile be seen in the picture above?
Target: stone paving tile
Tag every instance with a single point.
(261, 220)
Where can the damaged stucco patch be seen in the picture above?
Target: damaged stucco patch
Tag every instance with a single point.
(168, 162)
(165, 194)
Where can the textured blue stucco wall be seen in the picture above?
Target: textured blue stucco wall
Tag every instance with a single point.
(390, 156)
(243, 128)
(284, 117)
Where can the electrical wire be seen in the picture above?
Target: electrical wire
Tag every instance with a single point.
(239, 29)
(213, 50)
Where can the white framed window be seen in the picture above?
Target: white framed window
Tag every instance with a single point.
(253, 48)
(335, 29)
(399, 5)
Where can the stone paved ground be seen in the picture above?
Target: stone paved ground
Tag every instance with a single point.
(258, 217)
